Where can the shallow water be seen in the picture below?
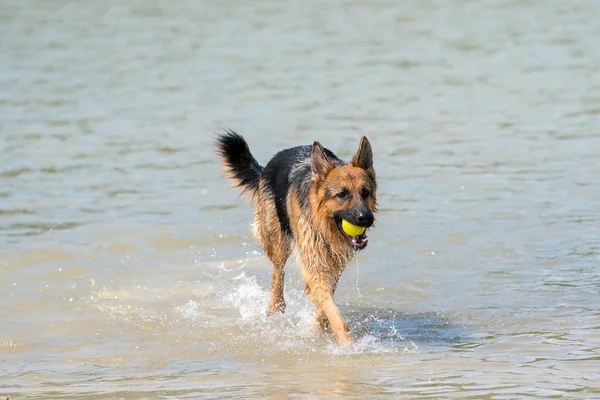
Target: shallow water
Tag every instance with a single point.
(127, 265)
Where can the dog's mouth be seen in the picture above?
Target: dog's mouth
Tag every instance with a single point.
(357, 242)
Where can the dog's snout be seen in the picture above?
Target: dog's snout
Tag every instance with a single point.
(365, 218)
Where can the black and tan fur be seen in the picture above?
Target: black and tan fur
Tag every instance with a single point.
(301, 197)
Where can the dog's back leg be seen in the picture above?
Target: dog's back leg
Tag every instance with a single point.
(267, 230)
(277, 302)
(321, 322)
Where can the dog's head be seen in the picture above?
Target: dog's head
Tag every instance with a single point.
(345, 194)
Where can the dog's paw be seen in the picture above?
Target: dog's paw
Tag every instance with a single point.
(275, 305)
(320, 325)
(346, 343)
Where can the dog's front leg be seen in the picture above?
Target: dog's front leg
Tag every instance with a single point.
(338, 325)
(320, 290)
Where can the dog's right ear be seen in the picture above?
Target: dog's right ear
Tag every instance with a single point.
(320, 163)
(364, 156)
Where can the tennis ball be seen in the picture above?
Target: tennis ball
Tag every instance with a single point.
(352, 230)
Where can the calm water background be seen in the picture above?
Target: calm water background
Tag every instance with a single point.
(127, 265)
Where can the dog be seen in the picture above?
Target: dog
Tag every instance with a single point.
(312, 204)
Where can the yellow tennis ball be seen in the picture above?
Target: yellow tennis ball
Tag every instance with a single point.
(352, 230)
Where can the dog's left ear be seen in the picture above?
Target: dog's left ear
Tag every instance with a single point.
(320, 163)
(364, 156)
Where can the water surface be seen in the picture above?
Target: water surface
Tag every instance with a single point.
(127, 265)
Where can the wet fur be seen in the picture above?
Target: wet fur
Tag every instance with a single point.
(301, 196)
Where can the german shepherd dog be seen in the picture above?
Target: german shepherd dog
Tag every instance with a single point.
(306, 198)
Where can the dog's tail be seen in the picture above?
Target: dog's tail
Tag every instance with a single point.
(240, 165)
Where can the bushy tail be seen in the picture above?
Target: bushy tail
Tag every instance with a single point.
(239, 163)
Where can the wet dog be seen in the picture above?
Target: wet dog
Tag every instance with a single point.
(309, 202)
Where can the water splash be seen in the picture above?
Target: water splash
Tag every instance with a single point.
(232, 318)
(292, 331)
(248, 298)
(190, 310)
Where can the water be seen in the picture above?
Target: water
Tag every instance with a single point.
(127, 265)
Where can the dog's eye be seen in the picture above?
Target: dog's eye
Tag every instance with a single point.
(343, 195)
(365, 193)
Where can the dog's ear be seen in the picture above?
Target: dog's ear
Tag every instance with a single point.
(320, 163)
(364, 156)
